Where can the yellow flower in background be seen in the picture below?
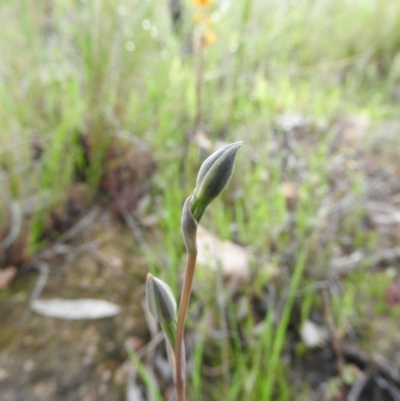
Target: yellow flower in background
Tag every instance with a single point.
(208, 37)
(202, 3)
(204, 23)
(202, 19)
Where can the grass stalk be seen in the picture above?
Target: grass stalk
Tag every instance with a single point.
(144, 375)
(239, 58)
(279, 340)
(199, 84)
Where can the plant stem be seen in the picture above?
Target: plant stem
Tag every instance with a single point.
(335, 343)
(183, 307)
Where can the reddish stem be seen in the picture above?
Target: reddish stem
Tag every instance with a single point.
(183, 307)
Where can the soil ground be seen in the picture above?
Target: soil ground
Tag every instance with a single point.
(45, 359)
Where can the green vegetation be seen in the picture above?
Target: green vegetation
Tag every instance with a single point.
(79, 78)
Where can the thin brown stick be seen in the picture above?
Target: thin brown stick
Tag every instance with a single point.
(183, 307)
(335, 342)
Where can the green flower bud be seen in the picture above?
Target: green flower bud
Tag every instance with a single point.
(160, 299)
(214, 175)
(189, 228)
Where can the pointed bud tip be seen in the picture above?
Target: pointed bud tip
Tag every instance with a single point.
(233, 147)
(160, 299)
(214, 175)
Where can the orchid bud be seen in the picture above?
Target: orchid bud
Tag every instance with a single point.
(160, 299)
(189, 228)
(214, 175)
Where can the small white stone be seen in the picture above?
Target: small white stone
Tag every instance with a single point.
(311, 334)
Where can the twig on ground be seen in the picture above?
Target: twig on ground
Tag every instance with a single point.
(84, 222)
(54, 251)
(86, 247)
(16, 219)
(358, 387)
(136, 231)
(385, 384)
(40, 283)
(70, 252)
(358, 259)
(375, 362)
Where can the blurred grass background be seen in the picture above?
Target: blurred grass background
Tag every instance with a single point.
(83, 81)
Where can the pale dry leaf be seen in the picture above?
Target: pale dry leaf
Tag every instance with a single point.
(215, 253)
(75, 309)
(6, 276)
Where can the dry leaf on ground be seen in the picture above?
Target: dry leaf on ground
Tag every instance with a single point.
(214, 253)
(75, 309)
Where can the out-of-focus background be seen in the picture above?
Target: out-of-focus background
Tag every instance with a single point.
(108, 108)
